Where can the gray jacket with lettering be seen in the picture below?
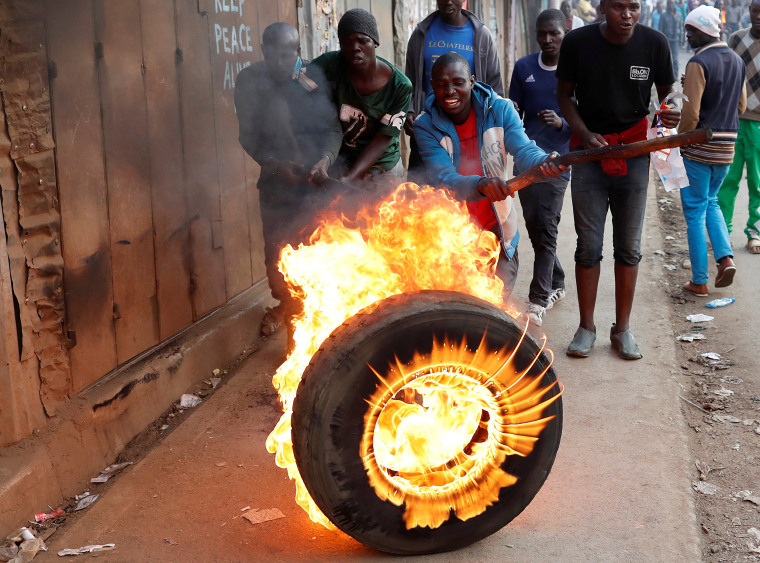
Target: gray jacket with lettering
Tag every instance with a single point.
(487, 66)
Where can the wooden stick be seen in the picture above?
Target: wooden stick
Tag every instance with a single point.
(629, 150)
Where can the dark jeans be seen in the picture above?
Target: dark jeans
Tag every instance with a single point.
(416, 167)
(542, 205)
(595, 192)
(674, 48)
(289, 215)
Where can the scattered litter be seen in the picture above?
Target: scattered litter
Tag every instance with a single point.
(670, 267)
(41, 517)
(217, 372)
(731, 379)
(83, 495)
(110, 471)
(690, 337)
(703, 468)
(188, 401)
(215, 381)
(754, 533)
(726, 418)
(8, 553)
(221, 464)
(736, 447)
(165, 427)
(699, 318)
(257, 516)
(87, 549)
(686, 264)
(724, 393)
(693, 404)
(21, 546)
(713, 359)
(170, 542)
(245, 508)
(746, 496)
(659, 252)
(669, 237)
(722, 302)
(704, 487)
(85, 502)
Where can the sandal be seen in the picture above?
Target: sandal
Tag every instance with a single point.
(624, 344)
(753, 245)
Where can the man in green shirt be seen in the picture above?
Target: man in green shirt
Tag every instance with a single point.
(372, 97)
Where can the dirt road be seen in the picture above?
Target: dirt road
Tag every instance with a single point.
(620, 488)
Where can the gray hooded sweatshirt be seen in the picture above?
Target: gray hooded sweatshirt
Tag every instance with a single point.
(487, 67)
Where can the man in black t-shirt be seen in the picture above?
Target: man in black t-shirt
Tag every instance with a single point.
(605, 75)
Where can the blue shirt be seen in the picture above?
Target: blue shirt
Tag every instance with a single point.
(534, 88)
(442, 38)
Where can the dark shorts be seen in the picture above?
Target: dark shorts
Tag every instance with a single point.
(594, 192)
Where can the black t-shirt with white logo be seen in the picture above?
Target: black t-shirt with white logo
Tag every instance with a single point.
(613, 83)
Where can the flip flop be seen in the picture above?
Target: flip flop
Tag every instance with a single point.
(753, 245)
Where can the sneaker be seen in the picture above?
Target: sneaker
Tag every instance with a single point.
(556, 295)
(536, 313)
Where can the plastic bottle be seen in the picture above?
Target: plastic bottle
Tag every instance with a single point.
(722, 302)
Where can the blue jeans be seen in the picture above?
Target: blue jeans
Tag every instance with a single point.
(700, 209)
(594, 193)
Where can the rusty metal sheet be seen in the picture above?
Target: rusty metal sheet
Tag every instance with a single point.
(30, 212)
(233, 35)
(207, 283)
(117, 29)
(171, 228)
(82, 189)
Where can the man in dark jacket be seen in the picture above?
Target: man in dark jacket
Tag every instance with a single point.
(449, 28)
(288, 123)
(671, 26)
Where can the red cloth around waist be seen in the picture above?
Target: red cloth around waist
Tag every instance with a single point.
(618, 166)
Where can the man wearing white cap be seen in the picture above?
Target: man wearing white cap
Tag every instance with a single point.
(714, 84)
(746, 44)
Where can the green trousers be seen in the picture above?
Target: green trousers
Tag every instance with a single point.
(747, 152)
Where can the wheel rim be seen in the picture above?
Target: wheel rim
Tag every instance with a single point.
(439, 429)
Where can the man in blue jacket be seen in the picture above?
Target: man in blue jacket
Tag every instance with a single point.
(464, 136)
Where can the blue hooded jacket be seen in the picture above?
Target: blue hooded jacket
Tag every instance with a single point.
(500, 131)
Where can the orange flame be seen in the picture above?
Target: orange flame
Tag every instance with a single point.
(418, 238)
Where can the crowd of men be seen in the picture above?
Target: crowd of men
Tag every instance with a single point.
(338, 120)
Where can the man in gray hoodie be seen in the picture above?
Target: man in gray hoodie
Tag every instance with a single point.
(449, 28)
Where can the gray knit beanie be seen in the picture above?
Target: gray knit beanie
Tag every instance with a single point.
(358, 20)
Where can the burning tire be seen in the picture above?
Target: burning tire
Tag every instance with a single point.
(426, 422)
